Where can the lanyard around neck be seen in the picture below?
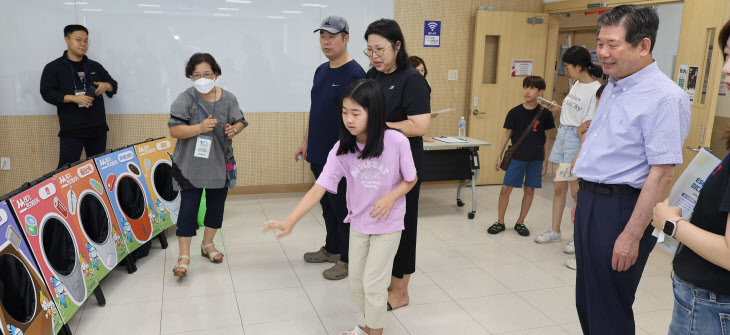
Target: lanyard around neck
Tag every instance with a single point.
(215, 100)
(74, 74)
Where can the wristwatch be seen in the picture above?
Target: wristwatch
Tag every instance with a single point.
(670, 227)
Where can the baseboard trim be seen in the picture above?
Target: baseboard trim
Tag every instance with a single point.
(268, 189)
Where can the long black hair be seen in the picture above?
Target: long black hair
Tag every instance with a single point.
(390, 30)
(368, 94)
(578, 55)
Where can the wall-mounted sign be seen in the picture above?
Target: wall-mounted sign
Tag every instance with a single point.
(432, 34)
(522, 67)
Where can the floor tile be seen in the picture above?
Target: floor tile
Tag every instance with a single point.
(556, 303)
(523, 277)
(505, 313)
(137, 318)
(469, 283)
(274, 305)
(200, 313)
(438, 318)
(311, 326)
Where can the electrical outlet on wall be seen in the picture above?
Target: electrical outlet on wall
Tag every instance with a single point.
(5, 163)
(453, 74)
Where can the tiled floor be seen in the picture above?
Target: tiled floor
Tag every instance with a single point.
(468, 282)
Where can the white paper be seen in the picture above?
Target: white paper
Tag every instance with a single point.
(442, 111)
(685, 192)
(447, 139)
(564, 173)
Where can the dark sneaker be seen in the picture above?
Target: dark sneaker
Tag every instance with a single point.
(321, 256)
(336, 272)
(522, 229)
(496, 228)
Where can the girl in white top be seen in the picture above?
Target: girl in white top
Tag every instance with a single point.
(577, 111)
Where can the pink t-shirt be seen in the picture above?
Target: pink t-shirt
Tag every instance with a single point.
(370, 179)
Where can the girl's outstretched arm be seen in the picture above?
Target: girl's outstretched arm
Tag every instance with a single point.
(305, 205)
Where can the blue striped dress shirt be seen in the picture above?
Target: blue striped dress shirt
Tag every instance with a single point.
(641, 120)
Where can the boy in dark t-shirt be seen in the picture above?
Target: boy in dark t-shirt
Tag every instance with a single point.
(528, 162)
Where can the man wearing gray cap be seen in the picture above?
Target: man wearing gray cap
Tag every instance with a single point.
(330, 80)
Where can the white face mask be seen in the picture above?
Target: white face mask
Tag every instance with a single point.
(204, 85)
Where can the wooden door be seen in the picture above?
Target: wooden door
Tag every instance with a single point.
(701, 24)
(500, 38)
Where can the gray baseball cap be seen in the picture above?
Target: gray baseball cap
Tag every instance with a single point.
(334, 24)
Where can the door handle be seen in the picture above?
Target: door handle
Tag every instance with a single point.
(476, 112)
(698, 149)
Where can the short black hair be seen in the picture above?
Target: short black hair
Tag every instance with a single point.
(71, 28)
(198, 58)
(534, 81)
(390, 30)
(639, 23)
(368, 94)
(578, 55)
(416, 61)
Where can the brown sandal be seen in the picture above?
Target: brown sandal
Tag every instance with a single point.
(211, 255)
(181, 270)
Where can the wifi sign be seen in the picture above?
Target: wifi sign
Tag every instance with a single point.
(432, 34)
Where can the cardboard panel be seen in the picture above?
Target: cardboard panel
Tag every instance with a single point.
(121, 177)
(89, 206)
(156, 163)
(57, 244)
(27, 307)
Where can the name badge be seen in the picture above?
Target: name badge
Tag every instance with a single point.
(202, 146)
(80, 92)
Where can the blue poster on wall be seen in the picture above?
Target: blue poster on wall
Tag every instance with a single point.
(432, 34)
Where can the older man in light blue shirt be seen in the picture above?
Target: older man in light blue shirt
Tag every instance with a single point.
(624, 167)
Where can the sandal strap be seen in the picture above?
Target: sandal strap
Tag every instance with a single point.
(203, 246)
(211, 255)
(183, 257)
(180, 266)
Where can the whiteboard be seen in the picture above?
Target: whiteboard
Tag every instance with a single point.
(267, 56)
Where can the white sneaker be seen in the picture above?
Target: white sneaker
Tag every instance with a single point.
(571, 263)
(548, 236)
(570, 247)
(356, 331)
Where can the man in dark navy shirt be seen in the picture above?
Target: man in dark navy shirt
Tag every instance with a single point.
(330, 80)
(75, 84)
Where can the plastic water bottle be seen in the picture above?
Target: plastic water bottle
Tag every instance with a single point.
(462, 128)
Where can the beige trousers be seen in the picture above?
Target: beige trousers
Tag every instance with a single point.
(371, 263)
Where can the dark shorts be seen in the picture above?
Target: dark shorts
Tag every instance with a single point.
(519, 171)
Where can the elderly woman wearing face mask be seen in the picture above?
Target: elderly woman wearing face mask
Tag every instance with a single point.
(204, 119)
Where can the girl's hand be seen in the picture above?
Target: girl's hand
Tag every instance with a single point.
(497, 164)
(230, 131)
(284, 226)
(381, 208)
(207, 125)
(664, 212)
(583, 128)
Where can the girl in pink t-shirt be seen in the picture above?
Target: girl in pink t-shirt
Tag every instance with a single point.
(378, 166)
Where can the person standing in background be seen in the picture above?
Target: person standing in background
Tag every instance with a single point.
(75, 84)
(330, 80)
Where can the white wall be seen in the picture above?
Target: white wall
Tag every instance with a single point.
(266, 62)
(667, 40)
